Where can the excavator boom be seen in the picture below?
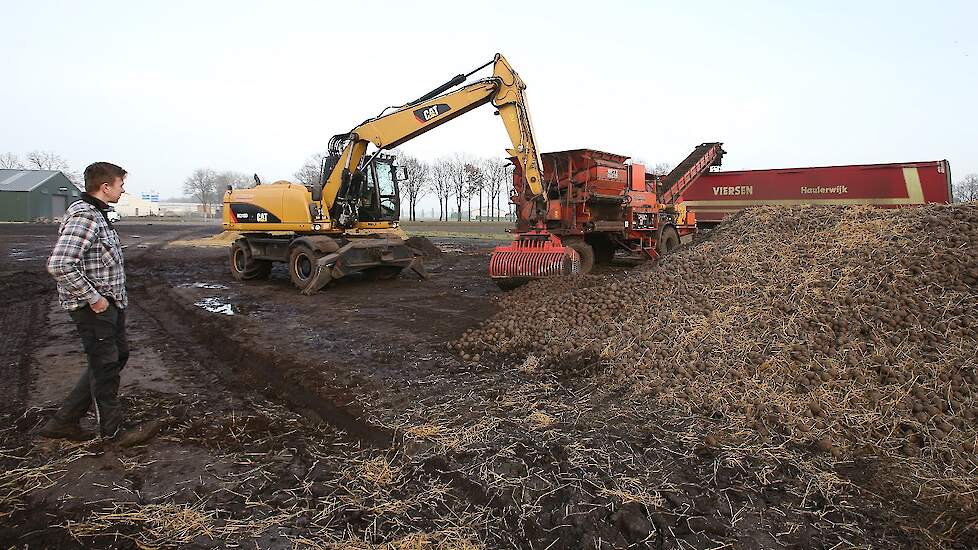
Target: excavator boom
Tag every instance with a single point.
(357, 190)
(505, 90)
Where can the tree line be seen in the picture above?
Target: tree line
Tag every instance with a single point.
(457, 179)
(206, 186)
(41, 160)
(462, 179)
(966, 190)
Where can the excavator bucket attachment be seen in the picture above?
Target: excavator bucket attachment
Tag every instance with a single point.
(533, 255)
(321, 277)
(362, 254)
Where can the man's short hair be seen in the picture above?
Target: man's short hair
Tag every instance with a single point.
(98, 173)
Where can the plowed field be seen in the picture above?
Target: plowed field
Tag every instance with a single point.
(347, 420)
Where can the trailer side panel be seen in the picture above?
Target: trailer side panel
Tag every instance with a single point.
(718, 194)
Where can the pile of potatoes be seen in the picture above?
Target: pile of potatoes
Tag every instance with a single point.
(839, 329)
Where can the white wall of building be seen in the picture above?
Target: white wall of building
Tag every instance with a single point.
(188, 209)
(131, 206)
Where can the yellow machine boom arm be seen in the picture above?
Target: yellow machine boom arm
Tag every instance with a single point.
(504, 89)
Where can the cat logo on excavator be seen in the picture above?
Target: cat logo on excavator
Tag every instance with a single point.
(429, 113)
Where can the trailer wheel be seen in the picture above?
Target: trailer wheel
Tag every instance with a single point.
(586, 252)
(668, 241)
(243, 266)
(302, 265)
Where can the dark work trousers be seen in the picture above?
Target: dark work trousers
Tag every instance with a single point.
(104, 337)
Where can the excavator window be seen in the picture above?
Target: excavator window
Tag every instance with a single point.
(380, 200)
(387, 190)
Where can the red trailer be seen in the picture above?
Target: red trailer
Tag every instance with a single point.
(716, 194)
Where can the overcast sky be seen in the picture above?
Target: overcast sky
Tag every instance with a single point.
(258, 87)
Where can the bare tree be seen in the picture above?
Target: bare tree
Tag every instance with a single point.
(966, 190)
(10, 161)
(457, 170)
(474, 184)
(236, 180)
(417, 183)
(49, 160)
(309, 174)
(201, 187)
(659, 169)
(441, 184)
(494, 172)
(510, 188)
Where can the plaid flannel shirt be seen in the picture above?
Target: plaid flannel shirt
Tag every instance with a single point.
(87, 260)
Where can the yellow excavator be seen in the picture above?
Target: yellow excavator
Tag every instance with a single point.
(325, 231)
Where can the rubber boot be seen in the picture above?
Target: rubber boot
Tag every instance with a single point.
(56, 428)
(137, 435)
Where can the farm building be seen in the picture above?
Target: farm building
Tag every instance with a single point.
(193, 209)
(28, 195)
(130, 205)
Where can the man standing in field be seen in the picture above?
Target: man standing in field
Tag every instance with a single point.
(87, 264)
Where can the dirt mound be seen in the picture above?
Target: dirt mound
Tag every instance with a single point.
(222, 239)
(814, 336)
(424, 246)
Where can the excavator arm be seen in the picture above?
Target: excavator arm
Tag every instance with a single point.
(504, 90)
(344, 170)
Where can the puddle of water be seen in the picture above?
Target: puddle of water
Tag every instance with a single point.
(209, 286)
(215, 305)
(21, 255)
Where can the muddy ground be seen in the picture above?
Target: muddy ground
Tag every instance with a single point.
(341, 420)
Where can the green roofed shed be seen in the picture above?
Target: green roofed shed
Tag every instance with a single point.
(29, 195)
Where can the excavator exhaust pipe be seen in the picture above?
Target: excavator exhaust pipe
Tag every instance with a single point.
(533, 255)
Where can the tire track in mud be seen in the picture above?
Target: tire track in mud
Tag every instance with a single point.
(247, 366)
(249, 369)
(25, 296)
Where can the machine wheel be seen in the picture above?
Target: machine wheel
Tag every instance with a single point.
(604, 251)
(668, 241)
(302, 265)
(243, 266)
(586, 252)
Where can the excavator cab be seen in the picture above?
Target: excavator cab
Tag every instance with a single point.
(370, 194)
(380, 200)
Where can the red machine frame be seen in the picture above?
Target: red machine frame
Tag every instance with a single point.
(597, 203)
